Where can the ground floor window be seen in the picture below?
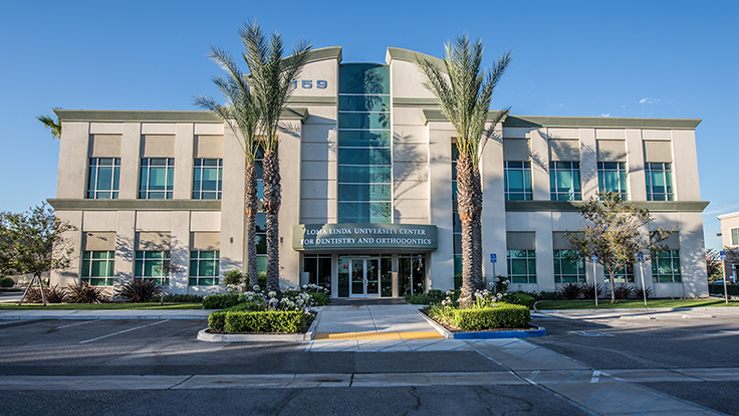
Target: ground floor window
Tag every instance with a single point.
(153, 265)
(666, 267)
(204, 268)
(624, 275)
(319, 269)
(411, 274)
(569, 267)
(98, 267)
(521, 266)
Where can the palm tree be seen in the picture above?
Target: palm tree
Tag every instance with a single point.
(464, 94)
(240, 114)
(54, 125)
(271, 77)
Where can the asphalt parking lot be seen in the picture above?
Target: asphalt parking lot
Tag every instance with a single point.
(158, 367)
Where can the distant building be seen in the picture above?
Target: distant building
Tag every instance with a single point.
(367, 163)
(730, 241)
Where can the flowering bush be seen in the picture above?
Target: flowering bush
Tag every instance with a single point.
(478, 310)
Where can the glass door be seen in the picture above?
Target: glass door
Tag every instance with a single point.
(365, 277)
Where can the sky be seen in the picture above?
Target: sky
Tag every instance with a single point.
(662, 59)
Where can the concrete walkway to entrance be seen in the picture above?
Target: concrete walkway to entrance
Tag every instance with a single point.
(352, 323)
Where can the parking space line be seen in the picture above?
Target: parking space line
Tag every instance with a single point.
(121, 332)
(75, 324)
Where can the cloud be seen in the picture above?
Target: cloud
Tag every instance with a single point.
(648, 100)
(605, 114)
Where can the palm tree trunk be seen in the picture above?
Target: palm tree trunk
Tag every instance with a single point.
(250, 207)
(466, 210)
(477, 229)
(272, 200)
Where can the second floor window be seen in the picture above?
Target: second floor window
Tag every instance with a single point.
(157, 178)
(659, 181)
(612, 178)
(103, 177)
(207, 179)
(564, 181)
(517, 177)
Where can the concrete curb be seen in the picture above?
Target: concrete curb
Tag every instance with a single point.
(204, 335)
(529, 333)
(622, 310)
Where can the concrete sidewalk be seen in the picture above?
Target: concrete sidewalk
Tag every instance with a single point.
(372, 322)
(106, 314)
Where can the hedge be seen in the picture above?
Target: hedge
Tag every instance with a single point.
(719, 289)
(220, 301)
(502, 316)
(263, 321)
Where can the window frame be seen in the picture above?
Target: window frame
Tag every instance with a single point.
(93, 173)
(623, 181)
(87, 268)
(530, 260)
(141, 258)
(559, 255)
(665, 168)
(528, 193)
(194, 276)
(575, 191)
(198, 166)
(146, 166)
(675, 273)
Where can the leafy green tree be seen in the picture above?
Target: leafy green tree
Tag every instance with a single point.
(240, 113)
(270, 78)
(52, 124)
(463, 90)
(33, 243)
(714, 265)
(614, 231)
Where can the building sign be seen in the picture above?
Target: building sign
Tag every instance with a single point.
(307, 84)
(308, 237)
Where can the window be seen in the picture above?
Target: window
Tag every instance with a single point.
(157, 178)
(319, 269)
(457, 223)
(568, 267)
(98, 267)
(666, 267)
(261, 237)
(564, 181)
(365, 157)
(411, 274)
(204, 268)
(659, 181)
(206, 182)
(612, 178)
(102, 177)
(152, 265)
(622, 276)
(521, 266)
(735, 236)
(517, 177)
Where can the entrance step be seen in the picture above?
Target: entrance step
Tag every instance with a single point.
(366, 301)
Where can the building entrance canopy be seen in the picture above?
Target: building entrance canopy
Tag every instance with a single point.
(323, 237)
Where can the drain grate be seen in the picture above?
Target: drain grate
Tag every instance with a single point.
(591, 333)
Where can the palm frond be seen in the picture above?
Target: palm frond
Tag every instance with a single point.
(50, 123)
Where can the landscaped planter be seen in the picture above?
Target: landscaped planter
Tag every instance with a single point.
(489, 334)
(206, 335)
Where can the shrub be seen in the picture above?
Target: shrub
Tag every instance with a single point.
(85, 293)
(588, 291)
(424, 298)
(182, 298)
(265, 321)
(519, 299)
(54, 294)
(639, 293)
(320, 298)
(217, 321)
(233, 277)
(6, 282)
(571, 291)
(544, 295)
(220, 301)
(139, 290)
(623, 291)
(501, 284)
(502, 316)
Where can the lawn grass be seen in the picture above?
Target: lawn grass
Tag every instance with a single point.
(99, 306)
(658, 303)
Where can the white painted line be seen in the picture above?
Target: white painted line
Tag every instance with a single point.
(121, 332)
(596, 377)
(310, 344)
(533, 375)
(78, 323)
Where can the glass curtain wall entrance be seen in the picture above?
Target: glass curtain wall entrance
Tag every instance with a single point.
(365, 276)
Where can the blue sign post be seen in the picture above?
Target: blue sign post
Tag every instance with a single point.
(640, 259)
(494, 259)
(722, 253)
(594, 259)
